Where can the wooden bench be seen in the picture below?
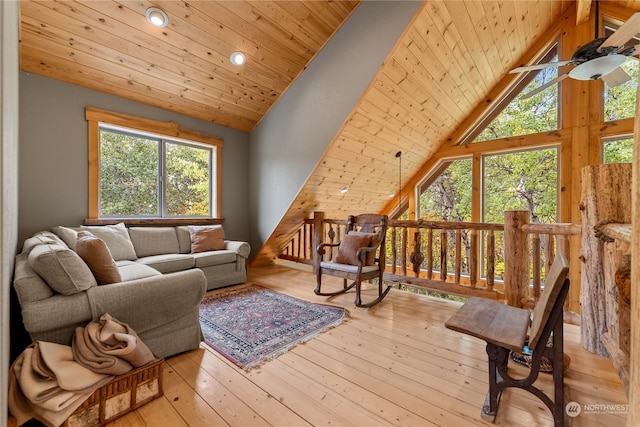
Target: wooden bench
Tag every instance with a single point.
(504, 328)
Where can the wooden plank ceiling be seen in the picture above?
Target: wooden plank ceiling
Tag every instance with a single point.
(109, 46)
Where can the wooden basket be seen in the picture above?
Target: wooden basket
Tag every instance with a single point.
(123, 394)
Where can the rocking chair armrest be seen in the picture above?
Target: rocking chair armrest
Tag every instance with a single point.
(321, 246)
(362, 252)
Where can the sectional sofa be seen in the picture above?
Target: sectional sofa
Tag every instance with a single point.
(160, 283)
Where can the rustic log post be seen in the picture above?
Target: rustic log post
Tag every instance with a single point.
(318, 231)
(605, 198)
(516, 257)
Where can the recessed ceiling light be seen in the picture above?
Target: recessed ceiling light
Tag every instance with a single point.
(157, 17)
(344, 189)
(237, 58)
(392, 194)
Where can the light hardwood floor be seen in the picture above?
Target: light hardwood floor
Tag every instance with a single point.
(393, 364)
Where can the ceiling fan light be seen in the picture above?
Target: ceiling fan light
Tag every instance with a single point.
(598, 67)
(157, 17)
(237, 58)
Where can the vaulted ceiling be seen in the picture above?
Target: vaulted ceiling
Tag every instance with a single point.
(444, 69)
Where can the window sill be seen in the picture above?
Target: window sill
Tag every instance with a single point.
(164, 222)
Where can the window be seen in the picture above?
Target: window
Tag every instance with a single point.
(151, 169)
(516, 114)
(143, 175)
(447, 197)
(617, 150)
(620, 101)
(526, 180)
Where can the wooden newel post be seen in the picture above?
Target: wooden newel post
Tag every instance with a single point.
(516, 257)
(605, 198)
(318, 231)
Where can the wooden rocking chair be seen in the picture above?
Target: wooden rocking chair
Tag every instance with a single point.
(504, 328)
(356, 257)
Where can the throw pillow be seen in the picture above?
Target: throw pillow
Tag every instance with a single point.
(97, 256)
(68, 235)
(117, 239)
(351, 242)
(374, 243)
(63, 270)
(206, 238)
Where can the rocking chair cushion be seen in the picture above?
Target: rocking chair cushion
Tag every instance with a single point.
(348, 249)
(374, 243)
(346, 268)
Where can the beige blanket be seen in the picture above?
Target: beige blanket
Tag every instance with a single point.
(46, 383)
(109, 346)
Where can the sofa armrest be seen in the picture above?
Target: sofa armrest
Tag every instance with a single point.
(56, 312)
(147, 303)
(241, 248)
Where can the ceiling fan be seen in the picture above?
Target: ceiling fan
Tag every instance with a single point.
(599, 59)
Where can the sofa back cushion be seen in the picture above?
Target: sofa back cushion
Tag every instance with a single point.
(95, 253)
(184, 239)
(43, 238)
(67, 234)
(149, 241)
(28, 284)
(63, 270)
(117, 239)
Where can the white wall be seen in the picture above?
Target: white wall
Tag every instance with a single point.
(54, 156)
(8, 178)
(289, 141)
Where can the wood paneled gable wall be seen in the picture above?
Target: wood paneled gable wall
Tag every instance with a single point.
(443, 72)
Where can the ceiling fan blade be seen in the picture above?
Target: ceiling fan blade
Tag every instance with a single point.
(616, 77)
(623, 34)
(544, 86)
(539, 66)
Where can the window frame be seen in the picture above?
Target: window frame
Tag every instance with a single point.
(164, 130)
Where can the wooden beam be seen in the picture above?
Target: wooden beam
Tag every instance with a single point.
(583, 8)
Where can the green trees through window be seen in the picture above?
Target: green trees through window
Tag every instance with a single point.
(152, 177)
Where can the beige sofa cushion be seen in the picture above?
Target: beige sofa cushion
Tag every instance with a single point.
(207, 259)
(149, 241)
(130, 270)
(68, 235)
(117, 239)
(28, 284)
(38, 239)
(63, 270)
(169, 263)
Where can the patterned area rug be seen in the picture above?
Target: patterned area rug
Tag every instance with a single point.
(255, 324)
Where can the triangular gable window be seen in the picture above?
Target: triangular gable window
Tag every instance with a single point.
(518, 114)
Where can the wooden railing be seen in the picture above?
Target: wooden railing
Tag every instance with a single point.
(460, 258)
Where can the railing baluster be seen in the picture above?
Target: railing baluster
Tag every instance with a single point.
(430, 253)
(394, 250)
(473, 262)
(458, 266)
(404, 251)
(443, 254)
(491, 259)
(536, 267)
